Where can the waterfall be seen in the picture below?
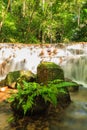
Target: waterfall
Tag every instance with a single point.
(72, 58)
(76, 69)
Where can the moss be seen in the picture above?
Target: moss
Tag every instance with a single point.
(48, 65)
(27, 76)
(48, 71)
(12, 77)
(18, 76)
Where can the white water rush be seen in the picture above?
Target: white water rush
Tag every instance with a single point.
(72, 58)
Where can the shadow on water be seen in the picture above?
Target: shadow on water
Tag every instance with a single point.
(74, 117)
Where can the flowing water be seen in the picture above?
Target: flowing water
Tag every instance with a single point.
(75, 67)
(72, 59)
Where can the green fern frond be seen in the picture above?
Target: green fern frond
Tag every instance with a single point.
(28, 91)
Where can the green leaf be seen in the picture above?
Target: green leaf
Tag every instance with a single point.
(85, 10)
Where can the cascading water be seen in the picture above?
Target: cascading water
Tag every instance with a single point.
(76, 66)
(76, 69)
(72, 58)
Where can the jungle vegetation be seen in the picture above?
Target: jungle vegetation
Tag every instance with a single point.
(43, 21)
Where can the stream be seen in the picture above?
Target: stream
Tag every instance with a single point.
(72, 59)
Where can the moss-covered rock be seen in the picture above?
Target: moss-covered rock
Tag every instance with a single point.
(17, 76)
(27, 76)
(11, 78)
(47, 71)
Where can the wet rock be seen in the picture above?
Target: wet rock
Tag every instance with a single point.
(27, 76)
(74, 88)
(48, 71)
(11, 78)
(17, 76)
(64, 99)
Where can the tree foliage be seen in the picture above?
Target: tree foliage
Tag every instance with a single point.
(43, 21)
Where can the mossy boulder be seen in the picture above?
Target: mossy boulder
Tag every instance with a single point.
(17, 76)
(11, 78)
(48, 71)
(27, 76)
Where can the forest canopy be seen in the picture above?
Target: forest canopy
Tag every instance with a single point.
(43, 21)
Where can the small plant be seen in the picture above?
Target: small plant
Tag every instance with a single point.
(30, 93)
(61, 83)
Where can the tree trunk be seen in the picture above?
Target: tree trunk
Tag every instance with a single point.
(24, 7)
(79, 16)
(1, 23)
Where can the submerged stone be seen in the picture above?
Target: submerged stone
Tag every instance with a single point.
(48, 71)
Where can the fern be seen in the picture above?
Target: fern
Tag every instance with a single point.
(60, 83)
(28, 104)
(28, 91)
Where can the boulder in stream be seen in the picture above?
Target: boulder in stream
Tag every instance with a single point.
(17, 76)
(48, 71)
